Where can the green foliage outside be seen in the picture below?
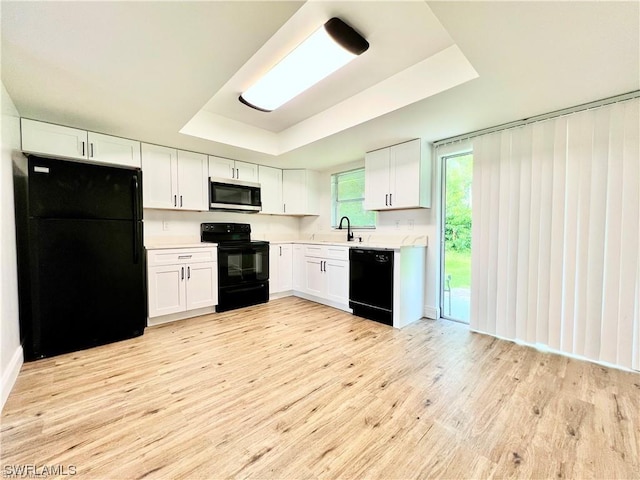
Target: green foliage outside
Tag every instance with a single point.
(458, 265)
(347, 191)
(457, 234)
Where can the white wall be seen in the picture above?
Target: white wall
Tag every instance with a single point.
(11, 357)
(393, 223)
(186, 225)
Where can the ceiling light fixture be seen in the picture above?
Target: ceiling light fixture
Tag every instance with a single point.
(329, 48)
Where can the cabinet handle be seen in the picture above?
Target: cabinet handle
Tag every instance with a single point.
(182, 273)
(188, 273)
(175, 200)
(237, 174)
(180, 200)
(181, 257)
(280, 251)
(91, 150)
(233, 172)
(386, 199)
(391, 199)
(82, 148)
(284, 208)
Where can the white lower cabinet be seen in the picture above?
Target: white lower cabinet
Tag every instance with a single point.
(280, 268)
(337, 280)
(181, 281)
(298, 267)
(325, 274)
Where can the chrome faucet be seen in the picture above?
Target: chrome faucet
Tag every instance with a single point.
(349, 232)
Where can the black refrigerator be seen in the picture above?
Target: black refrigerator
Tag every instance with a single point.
(81, 259)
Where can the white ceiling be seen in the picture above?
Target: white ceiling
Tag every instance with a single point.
(145, 69)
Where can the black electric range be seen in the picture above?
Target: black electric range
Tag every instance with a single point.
(243, 265)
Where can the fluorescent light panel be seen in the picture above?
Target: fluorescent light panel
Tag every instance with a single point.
(329, 48)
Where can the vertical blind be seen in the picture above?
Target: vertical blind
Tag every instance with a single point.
(556, 234)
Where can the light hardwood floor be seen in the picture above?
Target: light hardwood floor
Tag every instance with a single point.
(293, 389)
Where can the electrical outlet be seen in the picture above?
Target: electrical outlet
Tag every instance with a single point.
(165, 225)
(397, 224)
(410, 224)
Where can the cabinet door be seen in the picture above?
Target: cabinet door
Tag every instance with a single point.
(55, 140)
(404, 175)
(376, 180)
(285, 267)
(314, 279)
(114, 150)
(202, 285)
(159, 177)
(192, 181)
(274, 263)
(167, 290)
(294, 191)
(221, 167)
(337, 278)
(298, 267)
(271, 189)
(247, 172)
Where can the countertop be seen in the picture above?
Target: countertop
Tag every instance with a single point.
(179, 245)
(391, 242)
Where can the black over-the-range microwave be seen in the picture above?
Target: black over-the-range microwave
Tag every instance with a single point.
(234, 195)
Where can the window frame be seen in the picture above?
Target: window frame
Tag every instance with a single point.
(335, 202)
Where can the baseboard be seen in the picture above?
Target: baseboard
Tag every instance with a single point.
(275, 296)
(10, 375)
(324, 301)
(172, 317)
(541, 347)
(431, 312)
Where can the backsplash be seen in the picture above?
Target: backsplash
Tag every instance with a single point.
(167, 226)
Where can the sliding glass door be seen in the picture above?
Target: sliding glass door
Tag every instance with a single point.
(456, 231)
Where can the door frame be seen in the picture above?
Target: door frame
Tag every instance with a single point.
(458, 150)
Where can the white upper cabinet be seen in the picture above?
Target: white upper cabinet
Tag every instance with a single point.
(398, 177)
(114, 150)
(376, 180)
(193, 183)
(174, 179)
(247, 172)
(159, 176)
(67, 142)
(300, 192)
(289, 192)
(233, 170)
(270, 189)
(56, 140)
(221, 167)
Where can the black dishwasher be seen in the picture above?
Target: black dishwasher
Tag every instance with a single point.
(371, 284)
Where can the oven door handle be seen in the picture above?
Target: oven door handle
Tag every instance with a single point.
(243, 250)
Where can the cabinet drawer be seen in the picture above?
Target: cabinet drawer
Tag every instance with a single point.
(326, 251)
(178, 256)
(314, 251)
(339, 253)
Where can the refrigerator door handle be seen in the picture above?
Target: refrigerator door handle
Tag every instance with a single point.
(136, 223)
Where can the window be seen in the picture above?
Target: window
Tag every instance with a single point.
(347, 197)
